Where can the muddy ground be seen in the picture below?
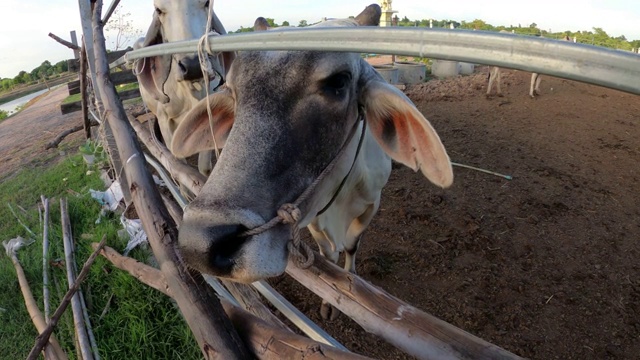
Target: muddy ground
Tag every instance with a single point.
(544, 265)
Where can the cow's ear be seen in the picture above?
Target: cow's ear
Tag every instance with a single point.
(194, 133)
(402, 131)
(153, 72)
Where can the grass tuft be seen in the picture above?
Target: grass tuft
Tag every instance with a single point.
(140, 322)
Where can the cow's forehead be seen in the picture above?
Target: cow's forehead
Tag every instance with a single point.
(291, 66)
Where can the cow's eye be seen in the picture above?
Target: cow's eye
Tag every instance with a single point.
(206, 4)
(158, 11)
(337, 84)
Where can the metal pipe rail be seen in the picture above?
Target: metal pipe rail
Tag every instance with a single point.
(591, 64)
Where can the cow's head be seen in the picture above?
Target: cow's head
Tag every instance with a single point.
(281, 119)
(177, 21)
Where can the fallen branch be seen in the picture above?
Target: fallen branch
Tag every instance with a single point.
(45, 259)
(265, 341)
(66, 43)
(55, 142)
(53, 349)
(42, 339)
(76, 306)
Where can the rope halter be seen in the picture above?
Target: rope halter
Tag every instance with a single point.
(290, 214)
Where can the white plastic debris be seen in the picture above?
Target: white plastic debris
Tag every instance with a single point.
(136, 233)
(109, 199)
(12, 246)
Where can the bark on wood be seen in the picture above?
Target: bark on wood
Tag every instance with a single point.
(83, 94)
(44, 336)
(406, 327)
(52, 349)
(55, 142)
(246, 295)
(201, 308)
(264, 340)
(66, 43)
(45, 259)
(110, 11)
(76, 306)
(183, 173)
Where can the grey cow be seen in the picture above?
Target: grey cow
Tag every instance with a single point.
(282, 119)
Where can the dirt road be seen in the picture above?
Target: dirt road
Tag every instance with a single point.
(23, 136)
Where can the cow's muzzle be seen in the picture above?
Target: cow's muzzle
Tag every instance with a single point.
(189, 68)
(220, 247)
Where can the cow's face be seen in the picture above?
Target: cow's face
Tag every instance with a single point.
(178, 78)
(282, 119)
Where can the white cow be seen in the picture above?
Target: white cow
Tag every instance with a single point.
(282, 118)
(534, 88)
(171, 85)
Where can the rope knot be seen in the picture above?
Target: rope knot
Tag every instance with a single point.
(289, 213)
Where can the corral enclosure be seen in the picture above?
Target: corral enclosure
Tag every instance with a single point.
(544, 265)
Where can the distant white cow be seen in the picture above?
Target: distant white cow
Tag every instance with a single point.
(282, 118)
(171, 85)
(495, 76)
(534, 89)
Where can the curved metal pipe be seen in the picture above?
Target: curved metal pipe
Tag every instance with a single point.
(591, 64)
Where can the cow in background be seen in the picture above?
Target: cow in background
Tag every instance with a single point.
(171, 85)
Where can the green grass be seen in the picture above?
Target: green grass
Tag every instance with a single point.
(120, 88)
(140, 323)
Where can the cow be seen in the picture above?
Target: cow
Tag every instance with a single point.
(281, 118)
(170, 85)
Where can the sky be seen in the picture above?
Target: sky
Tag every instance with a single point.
(25, 24)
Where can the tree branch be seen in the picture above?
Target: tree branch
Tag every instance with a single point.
(64, 42)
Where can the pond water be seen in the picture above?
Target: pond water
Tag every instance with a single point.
(11, 106)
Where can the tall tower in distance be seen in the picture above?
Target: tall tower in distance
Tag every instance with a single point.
(387, 13)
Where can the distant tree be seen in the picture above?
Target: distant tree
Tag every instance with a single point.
(533, 26)
(21, 78)
(476, 24)
(272, 22)
(61, 66)
(6, 84)
(122, 26)
(303, 23)
(285, 23)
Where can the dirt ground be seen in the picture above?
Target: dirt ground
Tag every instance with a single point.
(544, 265)
(24, 135)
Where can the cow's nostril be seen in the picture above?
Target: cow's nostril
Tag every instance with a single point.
(183, 68)
(224, 249)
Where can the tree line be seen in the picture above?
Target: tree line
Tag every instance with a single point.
(596, 36)
(45, 71)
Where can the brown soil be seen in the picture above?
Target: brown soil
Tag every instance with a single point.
(545, 265)
(24, 135)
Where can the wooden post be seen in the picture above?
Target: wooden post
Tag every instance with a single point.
(265, 340)
(76, 306)
(404, 326)
(74, 41)
(198, 303)
(83, 93)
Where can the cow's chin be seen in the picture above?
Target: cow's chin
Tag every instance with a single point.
(261, 256)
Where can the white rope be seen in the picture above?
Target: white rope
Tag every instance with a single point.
(207, 70)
